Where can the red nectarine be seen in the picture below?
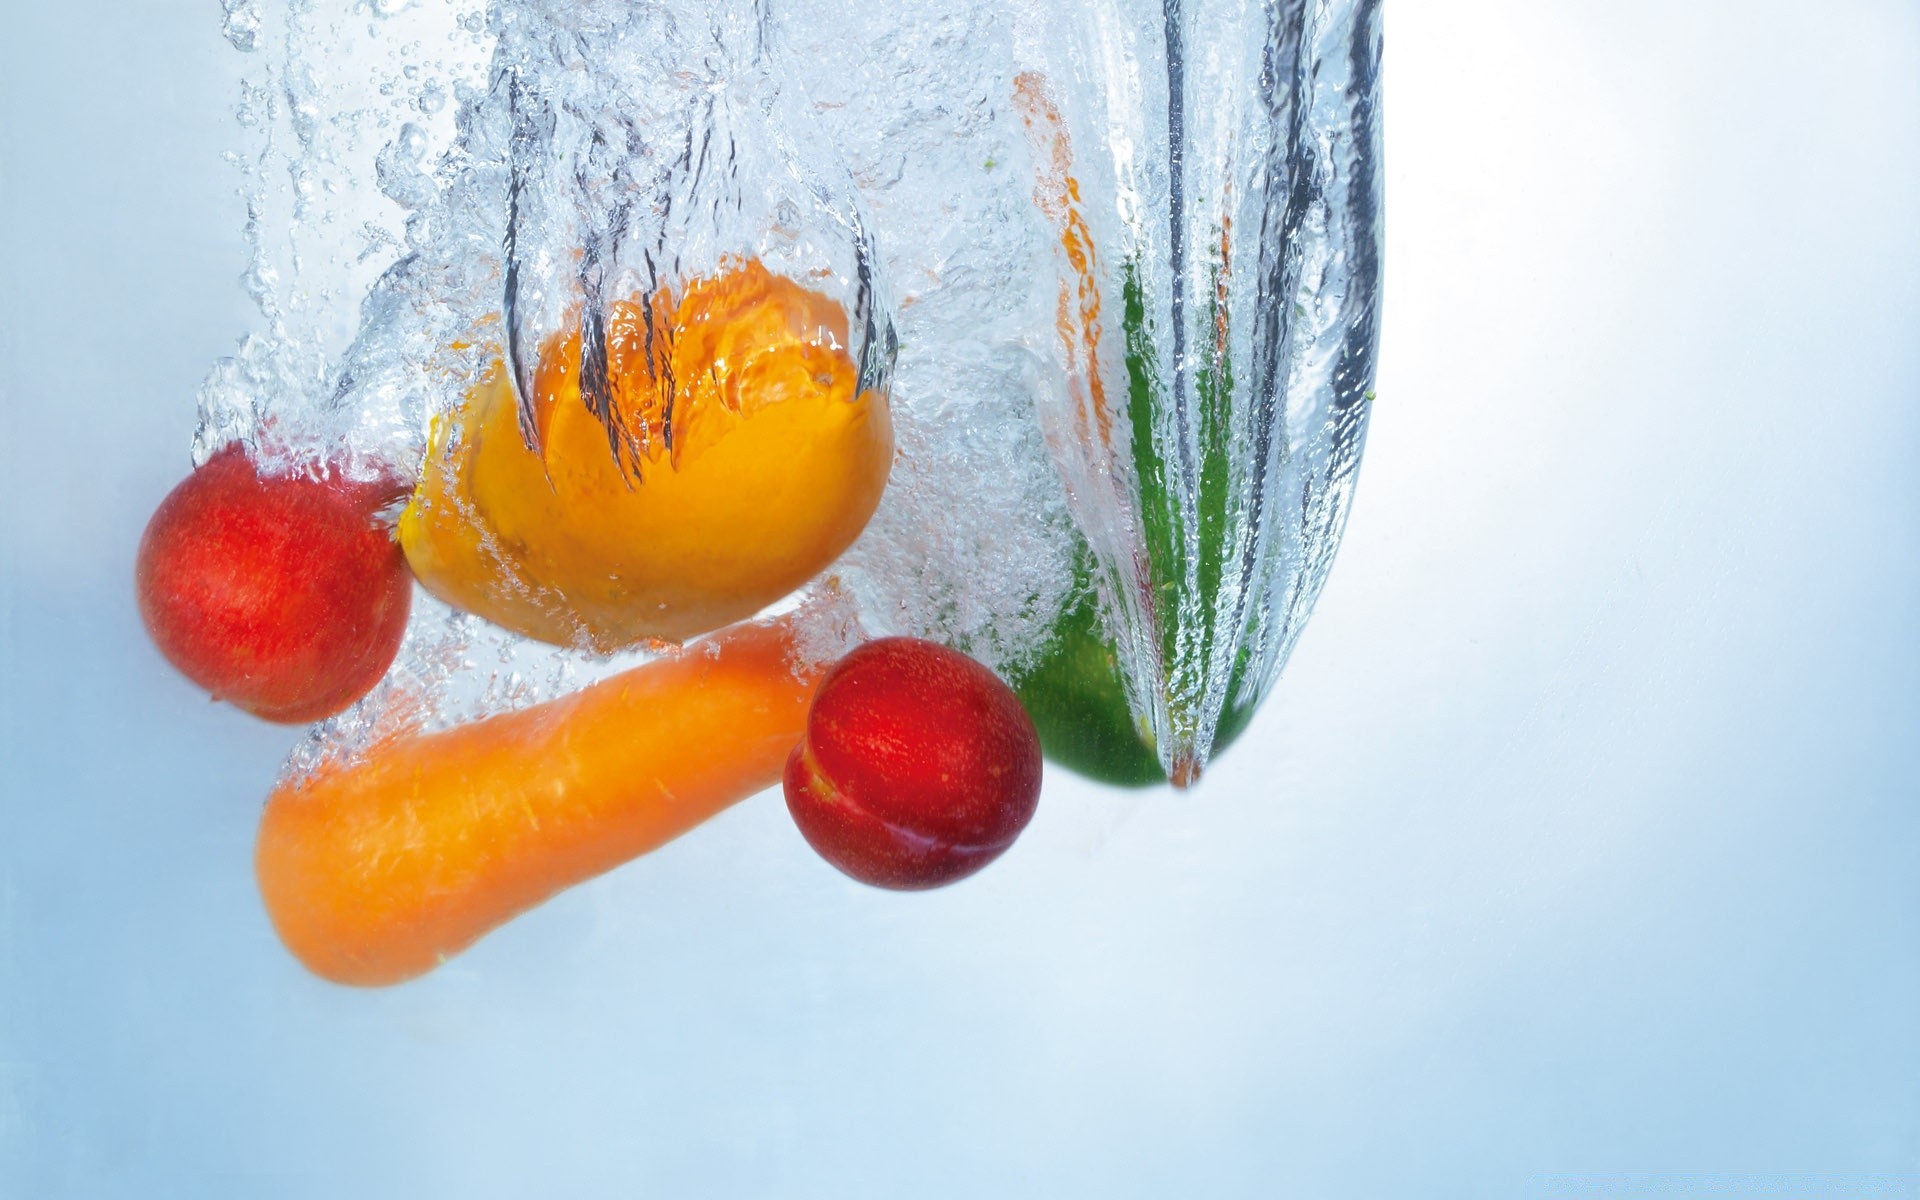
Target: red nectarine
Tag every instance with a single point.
(919, 766)
(282, 594)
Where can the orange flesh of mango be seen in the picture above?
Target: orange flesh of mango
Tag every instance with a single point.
(737, 462)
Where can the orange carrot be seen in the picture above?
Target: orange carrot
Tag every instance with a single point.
(379, 870)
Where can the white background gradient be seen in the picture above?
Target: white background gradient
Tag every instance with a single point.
(1578, 853)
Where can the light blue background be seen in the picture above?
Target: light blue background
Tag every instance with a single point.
(1575, 856)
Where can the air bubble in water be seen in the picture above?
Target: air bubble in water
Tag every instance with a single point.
(242, 24)
(398, 169)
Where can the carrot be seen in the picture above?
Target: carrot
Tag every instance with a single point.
(377, 871)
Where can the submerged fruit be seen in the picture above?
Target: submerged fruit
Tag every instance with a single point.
(1077, 698)
(281, 594)
(1079, 703)
(734, 460)
(919, 767)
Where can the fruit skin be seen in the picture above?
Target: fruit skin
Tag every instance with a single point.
(919, 766)
(1078, 701)
(281, 594)
(742, 460)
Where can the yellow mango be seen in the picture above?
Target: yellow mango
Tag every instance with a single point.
(735, 462)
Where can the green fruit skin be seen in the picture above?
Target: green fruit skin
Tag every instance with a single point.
(1079, 705)
(1074, 693)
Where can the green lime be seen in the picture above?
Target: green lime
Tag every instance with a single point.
(1079, 705)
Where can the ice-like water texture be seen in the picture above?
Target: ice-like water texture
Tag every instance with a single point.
(972, 544)
(1009, 189)
(653, 144)
(1210, 168)
(354, 118)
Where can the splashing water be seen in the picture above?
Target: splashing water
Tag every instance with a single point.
(1123, 293)
(1209, 166)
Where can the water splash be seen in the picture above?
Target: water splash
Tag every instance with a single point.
(1171, 258)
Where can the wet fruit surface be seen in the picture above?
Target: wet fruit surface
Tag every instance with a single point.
(282, 594)
(734, 461)
(919, 766)
(1078, 701)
